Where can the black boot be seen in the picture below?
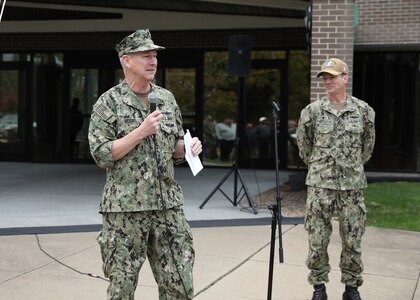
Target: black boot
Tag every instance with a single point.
(351, 293)
(320, 292)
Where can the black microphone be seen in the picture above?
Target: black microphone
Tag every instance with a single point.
(276, 106)
(152, 97)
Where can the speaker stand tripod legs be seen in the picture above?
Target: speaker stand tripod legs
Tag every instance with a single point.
(236, 192)
(218, 188)
(246, 192)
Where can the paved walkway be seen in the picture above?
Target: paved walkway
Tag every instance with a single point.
(56, 197)
(232, 262)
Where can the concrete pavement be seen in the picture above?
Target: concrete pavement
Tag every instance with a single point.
(36, 196)
(231, 263)
(48, 223)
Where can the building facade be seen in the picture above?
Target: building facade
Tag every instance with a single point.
(57, 57)
(380, 41)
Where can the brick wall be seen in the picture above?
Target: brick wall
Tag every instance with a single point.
(381, 22)
(388, 22)
(332, 36)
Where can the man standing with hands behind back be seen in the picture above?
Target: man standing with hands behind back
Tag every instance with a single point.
(142, 203)
(336, 136)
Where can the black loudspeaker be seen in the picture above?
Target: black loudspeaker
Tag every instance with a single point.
(239, 55)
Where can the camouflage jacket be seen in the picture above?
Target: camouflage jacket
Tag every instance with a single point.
(336, 145)
(132, 182)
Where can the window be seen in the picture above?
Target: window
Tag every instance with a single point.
(389, 83)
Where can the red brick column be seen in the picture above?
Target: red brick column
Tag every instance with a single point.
(332, 36)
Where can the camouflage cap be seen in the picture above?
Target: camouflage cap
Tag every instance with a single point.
(140, 40)
(333, 66)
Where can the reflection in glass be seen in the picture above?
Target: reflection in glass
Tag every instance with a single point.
(220, 93)
(83, 94)
(298, 87)
(181, 82)
(9, 104)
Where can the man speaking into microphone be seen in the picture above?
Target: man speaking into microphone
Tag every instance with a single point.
(136, 134)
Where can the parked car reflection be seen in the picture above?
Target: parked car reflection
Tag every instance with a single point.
(8, 127)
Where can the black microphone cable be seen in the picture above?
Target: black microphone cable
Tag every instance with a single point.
(66, 265)
(165, 217)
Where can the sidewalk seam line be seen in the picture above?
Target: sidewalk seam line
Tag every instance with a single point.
(237, 266)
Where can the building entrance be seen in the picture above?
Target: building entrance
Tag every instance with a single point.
(51, 96)
(14, 107)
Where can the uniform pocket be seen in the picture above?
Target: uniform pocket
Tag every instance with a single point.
(127, 125)
(323, 133)
(168, 123)
(363, 207)
(107, 247)
(353, 134)
(169, 131)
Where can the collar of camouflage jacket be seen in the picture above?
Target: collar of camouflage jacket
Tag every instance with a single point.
(329, 107)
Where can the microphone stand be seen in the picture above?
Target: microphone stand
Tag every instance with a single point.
(276, 209)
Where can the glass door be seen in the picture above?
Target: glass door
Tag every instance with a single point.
(83, 94)
(266, 83)
(13, 131)
(181, 72)
(181, 82)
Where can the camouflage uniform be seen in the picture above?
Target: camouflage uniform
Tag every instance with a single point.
(335, 146)
(141, 215)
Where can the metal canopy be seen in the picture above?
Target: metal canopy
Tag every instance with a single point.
(43, 16)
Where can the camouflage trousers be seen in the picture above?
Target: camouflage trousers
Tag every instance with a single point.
(126, 239)
(351, 210)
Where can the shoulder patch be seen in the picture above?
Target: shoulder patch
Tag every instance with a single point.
(305, 115)
(105, 113)
(366, 108)
(371, 114)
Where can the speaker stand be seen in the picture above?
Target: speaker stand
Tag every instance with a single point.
(237, 197)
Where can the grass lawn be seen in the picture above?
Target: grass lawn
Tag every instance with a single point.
(393, 205)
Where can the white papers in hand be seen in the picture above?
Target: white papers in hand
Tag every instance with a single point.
(193, 161)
